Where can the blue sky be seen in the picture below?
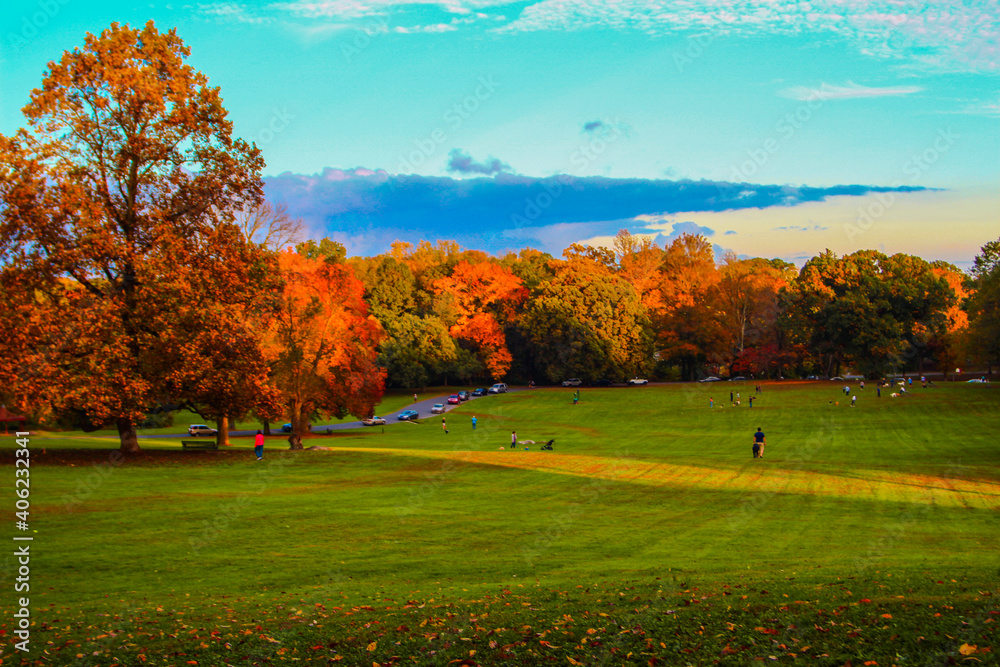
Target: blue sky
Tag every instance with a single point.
(344, 96)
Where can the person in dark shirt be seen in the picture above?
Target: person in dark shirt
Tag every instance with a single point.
(758, 442)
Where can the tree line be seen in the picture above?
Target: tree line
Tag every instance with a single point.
(141, 271)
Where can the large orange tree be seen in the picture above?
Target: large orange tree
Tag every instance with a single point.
(322, 340)
(117, 240)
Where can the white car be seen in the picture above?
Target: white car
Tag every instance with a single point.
(437, 409)
(710, 378)
(572, 382)
(373, 421)
(201, 429)
(498, 388)
(638, 381)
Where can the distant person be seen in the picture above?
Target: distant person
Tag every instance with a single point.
(731, 399)
(258, 445)
(759, 441)
(711, 403)
(751, 401)
(473, 422)
(444, 424)
(862, 385)
(854, 399)
(878, 391)
(513, 439)
(414, 398)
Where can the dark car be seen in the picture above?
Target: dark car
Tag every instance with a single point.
(603, 382)
(479, 392)
(407, 415)
(286, 428)
(464, 395)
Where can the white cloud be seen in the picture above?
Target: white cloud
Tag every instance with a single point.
(846, 92)
(959, 35)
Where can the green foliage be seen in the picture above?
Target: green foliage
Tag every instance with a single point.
(984, 304)
(587, 325)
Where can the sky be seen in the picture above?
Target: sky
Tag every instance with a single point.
(774, 128)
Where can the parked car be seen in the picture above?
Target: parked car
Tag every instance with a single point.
(603, 382)
(977, 381)
(710, 378)
(437, 409)
(407, 415)
(481, 391)
(837, 379)
(286, 428)
(373, 421)
(454, 399)
(636, 381)
(572, 382)
(498, 388)
(201, 429)
(464, 395)
(738, 377)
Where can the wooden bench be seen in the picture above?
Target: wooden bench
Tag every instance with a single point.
(199, 444)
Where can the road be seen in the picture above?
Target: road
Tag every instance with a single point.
(423, 406)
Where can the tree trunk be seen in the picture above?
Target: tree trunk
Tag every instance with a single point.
(223, 436)
(126, 433)
(267, 428)
(295, 439)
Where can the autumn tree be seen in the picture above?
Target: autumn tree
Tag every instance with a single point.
(746, 299)
(639, 261)
(866, 308)
(984, 304)
(686, 326)
(588, 324)
(322, 341)
(269, 225)
(117, 218)
(483, 295)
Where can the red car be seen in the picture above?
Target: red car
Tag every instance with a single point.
(454, 399)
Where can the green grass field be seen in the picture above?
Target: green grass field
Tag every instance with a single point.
(648, 536)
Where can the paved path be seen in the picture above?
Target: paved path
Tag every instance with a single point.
(423, 406)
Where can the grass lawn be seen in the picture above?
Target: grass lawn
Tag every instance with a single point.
(648, 536)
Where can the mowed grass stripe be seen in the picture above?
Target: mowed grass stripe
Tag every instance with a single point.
(756, 476)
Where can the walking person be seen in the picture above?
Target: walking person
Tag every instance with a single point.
(414, 397)
(513, 439)
(711, 403)
(751, 401)
(473, 422)
(731, 400)
(444, 425)
(854, 399)
(758, 442)
(258, 445)
(878, 391)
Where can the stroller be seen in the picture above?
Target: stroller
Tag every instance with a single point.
(548, 445)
